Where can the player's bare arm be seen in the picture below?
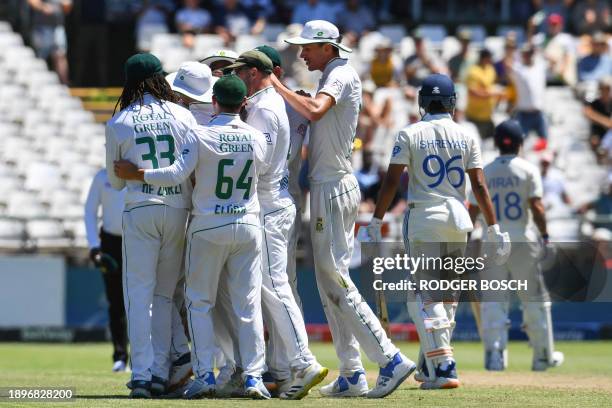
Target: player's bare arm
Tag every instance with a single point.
(388, 189)
(312, 109)
(126, 170)
(539, 217)
(481, 192)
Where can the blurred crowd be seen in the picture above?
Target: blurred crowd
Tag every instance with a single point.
(498, 74)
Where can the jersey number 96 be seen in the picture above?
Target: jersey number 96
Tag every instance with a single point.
(440, 170)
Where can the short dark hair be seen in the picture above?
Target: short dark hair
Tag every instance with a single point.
(509, 149)
(436, 107)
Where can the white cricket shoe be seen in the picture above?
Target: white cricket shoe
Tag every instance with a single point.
(445, 378)
(543, 364)
(255, 388)
(346, 387)
(119, 366)
(201, 387)
(392, 375)
(304, 380)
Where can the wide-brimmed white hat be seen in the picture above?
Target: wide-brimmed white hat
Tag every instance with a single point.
(319, 31)
(194, 80)
(220, 55)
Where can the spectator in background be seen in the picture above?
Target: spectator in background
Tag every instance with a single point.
(372, 114)
(560, 52)
(458, 64)
(598, 64)
(232, 19)
(313, 10)
(421, 64)
(553, 183)
(49, 35)
(384, 69)
(355, 20)
(503, 78)
(192, 20)
(590, 16)
(482, 94)
(152, 18)
(599, 113)
(529, 78)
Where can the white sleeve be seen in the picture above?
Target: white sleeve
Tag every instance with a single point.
(475, 157)
(335, 86)
(266, 122)
(92, 205)
(401, 149)
(113, 152)
(182, 167)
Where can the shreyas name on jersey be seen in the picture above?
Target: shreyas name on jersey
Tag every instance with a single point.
(162, 191)
(235, 143)
(442, 144)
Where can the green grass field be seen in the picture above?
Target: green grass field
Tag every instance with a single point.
(585, 380)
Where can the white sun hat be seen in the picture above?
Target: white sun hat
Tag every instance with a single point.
(319, 31)
(194, 80)
(220, 55)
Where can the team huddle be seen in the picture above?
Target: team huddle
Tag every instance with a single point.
(210, 156)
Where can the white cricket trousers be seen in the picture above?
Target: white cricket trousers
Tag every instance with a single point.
(153, 243)
(428, 231)
(288, 346)
(523, 264)
(233, 243)
(333, 210)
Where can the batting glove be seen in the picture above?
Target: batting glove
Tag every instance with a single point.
(374, 230)
(501, 240)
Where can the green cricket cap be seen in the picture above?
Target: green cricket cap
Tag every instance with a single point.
(253, 58)
(271, 53)
(142, 66)
(229, 90)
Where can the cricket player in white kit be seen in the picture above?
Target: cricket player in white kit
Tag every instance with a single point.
(298, 127)
(193, 83)
(265, 110)
(334, 202)
(437, 153)
(150, 131)
(228, 157)
(515, 186)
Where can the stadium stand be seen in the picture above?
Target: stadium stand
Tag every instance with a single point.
(59, 134)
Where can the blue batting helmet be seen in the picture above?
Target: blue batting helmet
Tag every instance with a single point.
(508, 135)
(438, 87)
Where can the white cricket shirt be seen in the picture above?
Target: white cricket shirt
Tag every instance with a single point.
(266, 113)
(437, 152)
(102, 194)
(298, 127)
(228, 156)
(202, 112)
(151, 136)
(512, 181)
(331, 137)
